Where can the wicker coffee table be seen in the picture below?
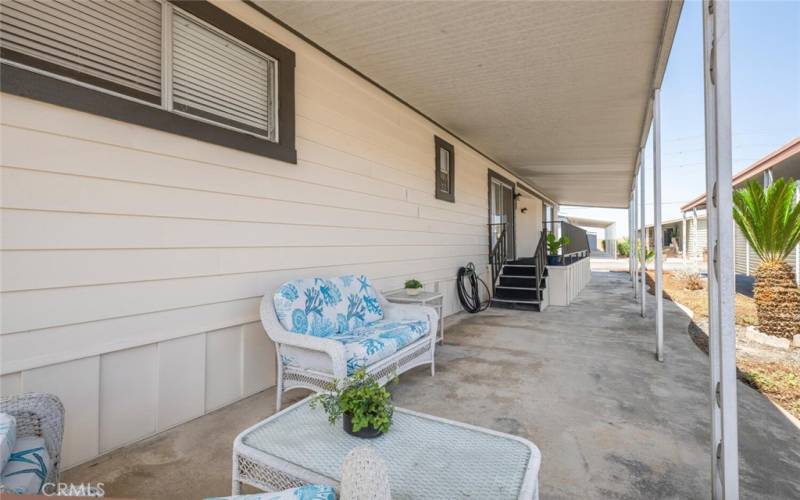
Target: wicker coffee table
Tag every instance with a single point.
(428, 457)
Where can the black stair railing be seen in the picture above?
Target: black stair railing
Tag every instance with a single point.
(498, 254)
(540, 261)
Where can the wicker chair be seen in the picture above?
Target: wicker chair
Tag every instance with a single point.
(41, 415)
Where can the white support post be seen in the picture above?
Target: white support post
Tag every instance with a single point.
(658, 238)
(631, 224)
(643, 263)
(635, 240)
(719, 194)
(684, 236)
(694, 230)
(768, 178)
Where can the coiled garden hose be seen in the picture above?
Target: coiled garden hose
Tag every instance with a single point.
(471, 301)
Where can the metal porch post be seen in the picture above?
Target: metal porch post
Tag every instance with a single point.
(631, 268)
(658, 238)
(684, 236)
(643, 263)
(719, 193)
(635, 240)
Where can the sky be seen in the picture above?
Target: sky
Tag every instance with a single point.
(765, 96)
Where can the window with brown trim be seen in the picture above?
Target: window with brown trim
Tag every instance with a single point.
(445, 171)
(185, 67)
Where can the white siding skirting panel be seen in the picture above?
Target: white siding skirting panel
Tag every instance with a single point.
(133, 260)
(123, 396)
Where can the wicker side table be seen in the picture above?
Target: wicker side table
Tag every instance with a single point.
(430, 299)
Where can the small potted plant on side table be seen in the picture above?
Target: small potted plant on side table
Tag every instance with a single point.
(361, 402)
(413, 287)
(553, 246)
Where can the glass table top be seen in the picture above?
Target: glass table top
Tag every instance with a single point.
(427, 458)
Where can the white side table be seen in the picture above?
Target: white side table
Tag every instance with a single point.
(435, 300)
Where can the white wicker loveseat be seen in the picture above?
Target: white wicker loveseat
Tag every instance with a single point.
(326, 328)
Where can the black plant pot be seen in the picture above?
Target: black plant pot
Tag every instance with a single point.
(367, 432)
(554, 260)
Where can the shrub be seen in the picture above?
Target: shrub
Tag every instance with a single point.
(623, 247)
(690, 277)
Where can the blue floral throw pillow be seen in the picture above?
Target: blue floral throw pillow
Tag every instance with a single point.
(360, 306)
(322, 307)
(308, 492)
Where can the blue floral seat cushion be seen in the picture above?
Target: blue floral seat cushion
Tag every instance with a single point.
(27, 467)
(369, 344)
(308, 492)
(322, 307)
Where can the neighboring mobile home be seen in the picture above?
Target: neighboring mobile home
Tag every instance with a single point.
(685, 237)
(166, 164)
(783, 162)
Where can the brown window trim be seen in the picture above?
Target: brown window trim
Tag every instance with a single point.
(440, 195)
(31, 84)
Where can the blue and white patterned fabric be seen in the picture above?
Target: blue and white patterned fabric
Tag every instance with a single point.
(308, 492)
(323, 307)
(369, 344)
(27, 467)
(8, 437)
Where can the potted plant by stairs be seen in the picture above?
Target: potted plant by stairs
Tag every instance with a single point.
(553, 246)
(362, 403)
(413, 287)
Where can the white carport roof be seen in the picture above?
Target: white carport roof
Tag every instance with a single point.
(587, 222)
(558, 92)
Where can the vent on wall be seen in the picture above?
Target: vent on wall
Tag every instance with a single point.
(216, 78)
(147, 50)
(112, 45)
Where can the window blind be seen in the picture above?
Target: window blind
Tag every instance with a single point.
(216, 78)
(113, 44)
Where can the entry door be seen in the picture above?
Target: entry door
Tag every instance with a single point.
(501, 210)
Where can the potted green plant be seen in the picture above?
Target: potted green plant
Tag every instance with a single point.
(413, 287)
(553, 246)
(362, 403)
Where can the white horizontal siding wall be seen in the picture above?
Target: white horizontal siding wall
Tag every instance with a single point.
(133, 261)
(698, 233)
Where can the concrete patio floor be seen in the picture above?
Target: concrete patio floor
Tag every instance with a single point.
(580, 381)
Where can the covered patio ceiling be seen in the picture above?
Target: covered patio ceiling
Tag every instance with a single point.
(558, 92)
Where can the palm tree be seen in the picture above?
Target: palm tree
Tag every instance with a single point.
(770, 220)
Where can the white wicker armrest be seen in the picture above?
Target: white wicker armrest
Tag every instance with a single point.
(400, 312)
(281, 336)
